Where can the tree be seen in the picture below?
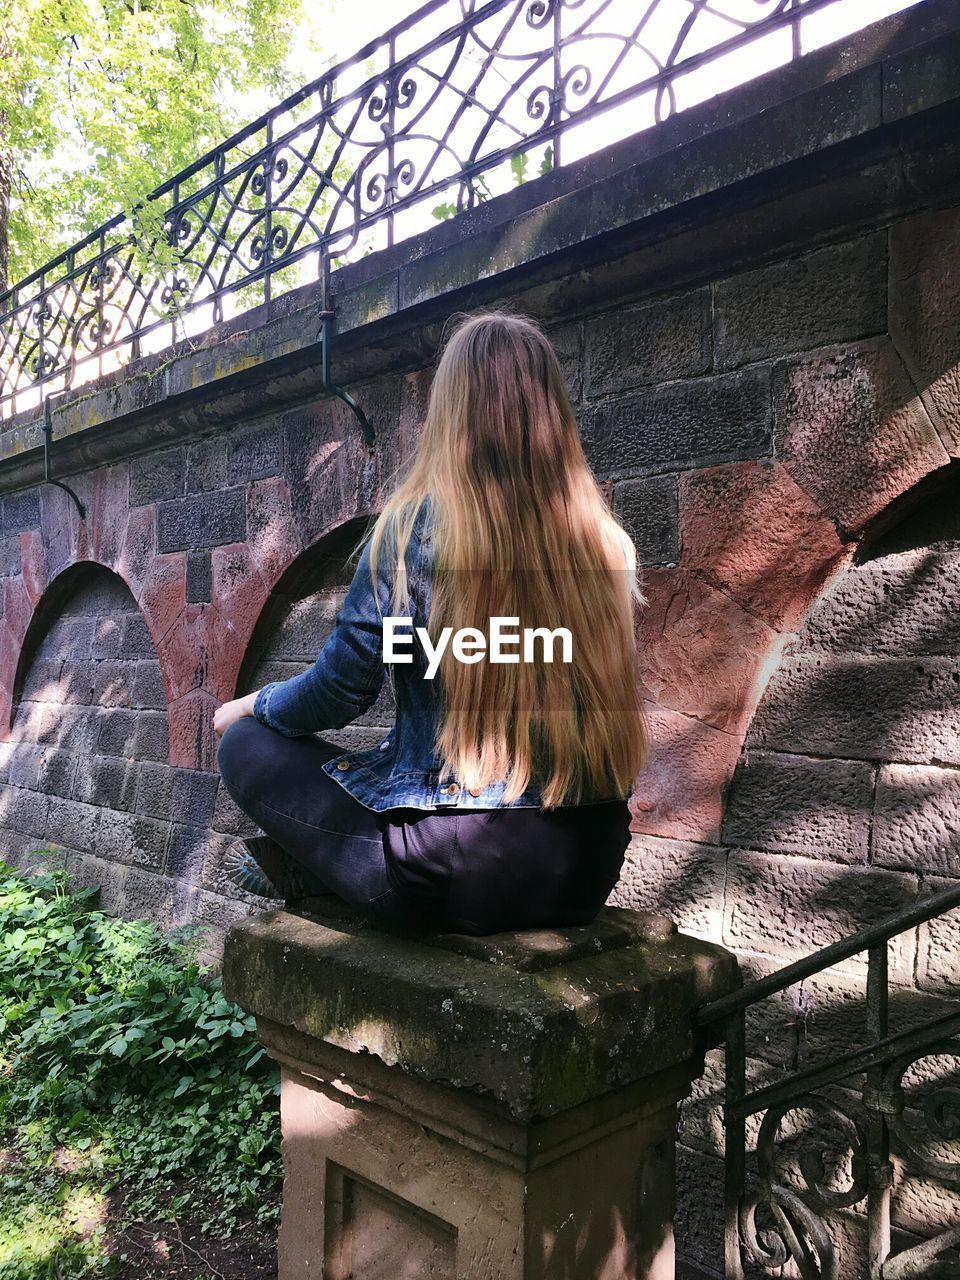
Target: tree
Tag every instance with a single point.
(101, 100)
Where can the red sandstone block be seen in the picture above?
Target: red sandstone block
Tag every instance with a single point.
(226, 647)
(273, 534)
(754, 533)
(183, 652)
(106, 519)
(852, 431)
(17, 607)
(925, 312)
(701, 653)
(164, 594)
(33, 565)
(139, 548)
(192, 740)
(679, 792)
(237, 588)
(59, 524)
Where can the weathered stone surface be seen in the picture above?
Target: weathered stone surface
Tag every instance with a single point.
(679, 878)
(579, 1007)
(19, 511)
(830, 295)
(648, 511)
(938, 945)
(899, 604)
(752, 531)
(852, 431)
(701, 653)
(797, 804)
(862, 708)
(201, 520)
(915, 820)
(791, 906)
(206, 465)
(683, 424)
(158, 477)
(198, 577)
(254, 453)
(654, 342)
(273, 535)
(925, 312)
(679, 792)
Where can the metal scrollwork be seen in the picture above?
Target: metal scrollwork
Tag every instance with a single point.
(434, 127)
(940, 1109)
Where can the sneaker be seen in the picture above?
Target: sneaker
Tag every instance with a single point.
(259, 865)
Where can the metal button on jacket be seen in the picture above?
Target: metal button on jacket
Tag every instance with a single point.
(452, 789)
(343, 765)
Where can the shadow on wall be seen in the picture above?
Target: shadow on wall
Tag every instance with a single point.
(844, 807)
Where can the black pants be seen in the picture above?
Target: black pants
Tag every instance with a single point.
(477, 871)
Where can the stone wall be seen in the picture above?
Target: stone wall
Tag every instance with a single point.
(761, 335)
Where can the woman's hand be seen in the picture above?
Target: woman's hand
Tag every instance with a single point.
(235, 709)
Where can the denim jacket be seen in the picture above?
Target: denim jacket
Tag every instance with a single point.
(402, 771)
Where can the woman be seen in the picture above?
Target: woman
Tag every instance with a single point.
(499, 799)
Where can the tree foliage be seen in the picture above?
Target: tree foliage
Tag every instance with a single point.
(101, 100)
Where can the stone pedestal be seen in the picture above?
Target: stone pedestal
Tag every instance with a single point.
(462, 1108)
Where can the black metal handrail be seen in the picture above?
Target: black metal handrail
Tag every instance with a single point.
(450, 112)
(768, 1222)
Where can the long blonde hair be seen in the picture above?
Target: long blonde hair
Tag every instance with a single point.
(521, 529)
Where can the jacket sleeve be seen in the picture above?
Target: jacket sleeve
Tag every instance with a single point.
(348, 673)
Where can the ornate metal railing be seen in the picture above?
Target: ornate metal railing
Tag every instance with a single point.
(438, 113)
(773, 1220)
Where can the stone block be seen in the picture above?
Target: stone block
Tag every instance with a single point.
(799, 804)
(9, 555)
(898, 604)
(192, 744)
(149, 691)
(25, 763)
(155, 790)
(104, 780)
(647, 509)
(862, 708)
(915, 824)
(163, 599)
(106, 639)
(151, 740)
(633, 346)
(87, 871)
(790, 907)
(424, 1119)
(273, 535)
(678, 878)
(938, 967)
(925, 311)
(117, 732)
(73, 824)
(679, 792)
(187, 852)
(852, 431)
(206, 465)
(201, 520)
(567, 341)
(139, 548)
(198, 577)
(834, 294)
(682, 424)
(57, 771)
(19, 511)
(24, 811)
(114, 683)
(701, 653)
(158, 477)
(253, 454)
(751, 530)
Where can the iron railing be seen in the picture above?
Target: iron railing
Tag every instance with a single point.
(436, 114)
(771, 1221)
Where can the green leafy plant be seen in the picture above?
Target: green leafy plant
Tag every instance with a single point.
(120, 1055)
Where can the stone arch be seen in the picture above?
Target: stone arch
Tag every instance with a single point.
(298, 616)
(843, 807)
(87, 753)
